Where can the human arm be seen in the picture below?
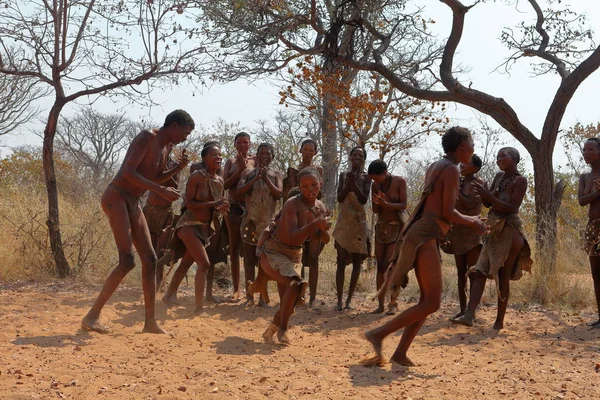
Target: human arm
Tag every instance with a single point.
(342, 189)
(182, 162)
(362, 193)
(232, 180)
(508, 207)
(245, 185)
(375, 189)
(196, 182)
(585, 199)
(138, 150)
(471, 201)
(276, 188)
(381, 200)
(449, 179)
(300, 234)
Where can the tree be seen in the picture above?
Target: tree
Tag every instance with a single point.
(81, 50)
(257, 37)
(94, 141)
(397, 44)
(17, 95)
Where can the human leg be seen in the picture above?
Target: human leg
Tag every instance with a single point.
(197, 249)
(170, 296)
(356, 266)
(429, 277)
(118, 216)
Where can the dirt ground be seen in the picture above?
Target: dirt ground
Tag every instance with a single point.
(43, 354)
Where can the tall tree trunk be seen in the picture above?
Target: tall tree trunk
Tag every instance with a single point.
(546, 207)
(329, 151)
(62, 265)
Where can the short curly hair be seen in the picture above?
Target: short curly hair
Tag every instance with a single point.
(454, 137)
(309, 141)
(377, 167)
(180, 117)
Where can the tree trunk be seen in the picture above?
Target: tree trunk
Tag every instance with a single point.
(546, 207)
(329, 151)
(62, 265)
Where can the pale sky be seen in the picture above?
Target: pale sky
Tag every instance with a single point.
(480, 50)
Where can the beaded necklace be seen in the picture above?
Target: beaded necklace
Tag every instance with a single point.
(505, 182)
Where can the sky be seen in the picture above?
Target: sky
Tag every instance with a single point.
(480, 50)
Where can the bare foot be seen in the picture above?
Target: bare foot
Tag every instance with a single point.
(379, 310)
(249, 302)
(268, 334)
(152, 327)
(460, 314)
(262, 303)
(594, 325)
(236, 296)
(402, 360)
(465, 320)
(283, 337)
(374, 361)
(376, 343)
(170, 302)
(93, 324)
(392, 308)
(213, 299)
(498, 325)
(348, 307)
(339, 307)
(199, 312)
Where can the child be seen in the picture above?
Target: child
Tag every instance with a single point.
(302, 217)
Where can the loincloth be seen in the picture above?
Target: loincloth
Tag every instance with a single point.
(236, 210)
(283, 258)
(591, 238)
(351, 232)
(132, 202)
(388, 232)
(460, 240)
(423, 228)
(158, 217)
(496, 247)
(202, 230)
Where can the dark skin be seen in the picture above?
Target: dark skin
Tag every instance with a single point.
(313, 248)
(159, 242)
(200, 201)
(274, 181)
(170, 296)
(589, 194)
(467, 200)
(507, 202)
(234, 167)
(295, 225)
(357, 182)
(440, 202)
(143, 169)
(389, 198)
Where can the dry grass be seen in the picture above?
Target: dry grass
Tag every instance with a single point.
(88, 242)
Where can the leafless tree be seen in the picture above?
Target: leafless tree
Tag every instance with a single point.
(95, 141)
(17, 97)
(81, 50)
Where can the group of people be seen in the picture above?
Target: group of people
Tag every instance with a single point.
(246, 220)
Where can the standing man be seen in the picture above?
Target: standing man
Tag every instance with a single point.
(234, 167)
(143, 169)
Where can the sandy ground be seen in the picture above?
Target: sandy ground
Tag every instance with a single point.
(43, 354)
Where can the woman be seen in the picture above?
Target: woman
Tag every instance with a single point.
(505, 253)
(589, 193)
